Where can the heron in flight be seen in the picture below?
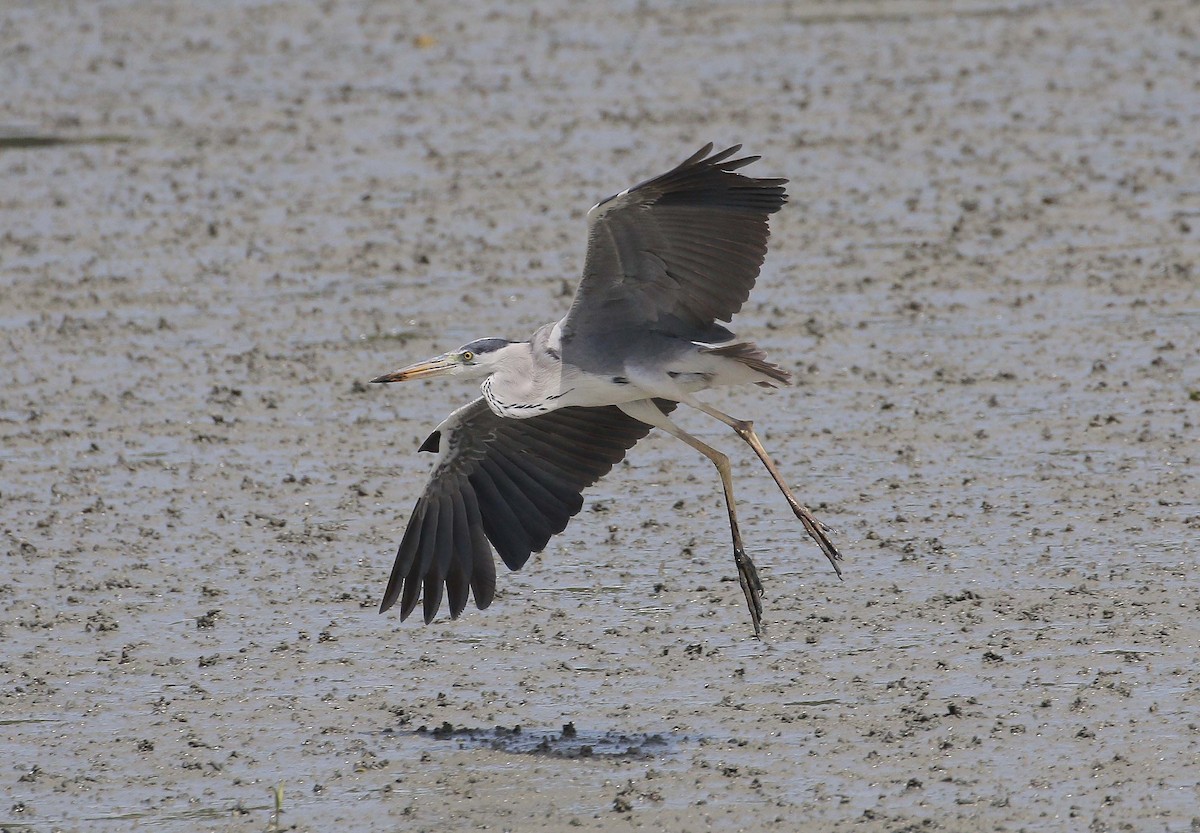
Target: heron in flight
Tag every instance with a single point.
(666, 260)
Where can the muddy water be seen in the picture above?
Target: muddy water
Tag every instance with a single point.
(985, 283)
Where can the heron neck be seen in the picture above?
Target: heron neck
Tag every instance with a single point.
(520, 384)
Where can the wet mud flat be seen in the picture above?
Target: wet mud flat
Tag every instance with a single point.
(217, 224)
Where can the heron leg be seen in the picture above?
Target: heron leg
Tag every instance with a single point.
(646, 411)
(745, 429)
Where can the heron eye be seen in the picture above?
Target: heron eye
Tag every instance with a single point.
(468, 356)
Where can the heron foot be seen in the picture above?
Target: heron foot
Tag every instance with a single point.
(819, 533)
(751, 586)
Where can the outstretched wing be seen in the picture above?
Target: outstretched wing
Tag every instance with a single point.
(511, 482)
(677, 252)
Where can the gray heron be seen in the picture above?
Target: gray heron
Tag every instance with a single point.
(666, 260)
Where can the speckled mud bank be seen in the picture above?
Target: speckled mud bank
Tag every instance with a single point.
(217, 221)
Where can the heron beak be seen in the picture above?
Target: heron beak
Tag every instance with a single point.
(437, 366)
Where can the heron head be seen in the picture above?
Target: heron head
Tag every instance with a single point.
(477, 358)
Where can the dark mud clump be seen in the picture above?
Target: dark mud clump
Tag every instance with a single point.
(570, 742)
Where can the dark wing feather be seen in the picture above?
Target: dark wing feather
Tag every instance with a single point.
(677, 252)
(483, 571)
(512, 482)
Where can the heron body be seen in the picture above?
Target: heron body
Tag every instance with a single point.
(532, 378)
(667, 259)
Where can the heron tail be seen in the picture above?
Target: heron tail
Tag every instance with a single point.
(749, 354)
